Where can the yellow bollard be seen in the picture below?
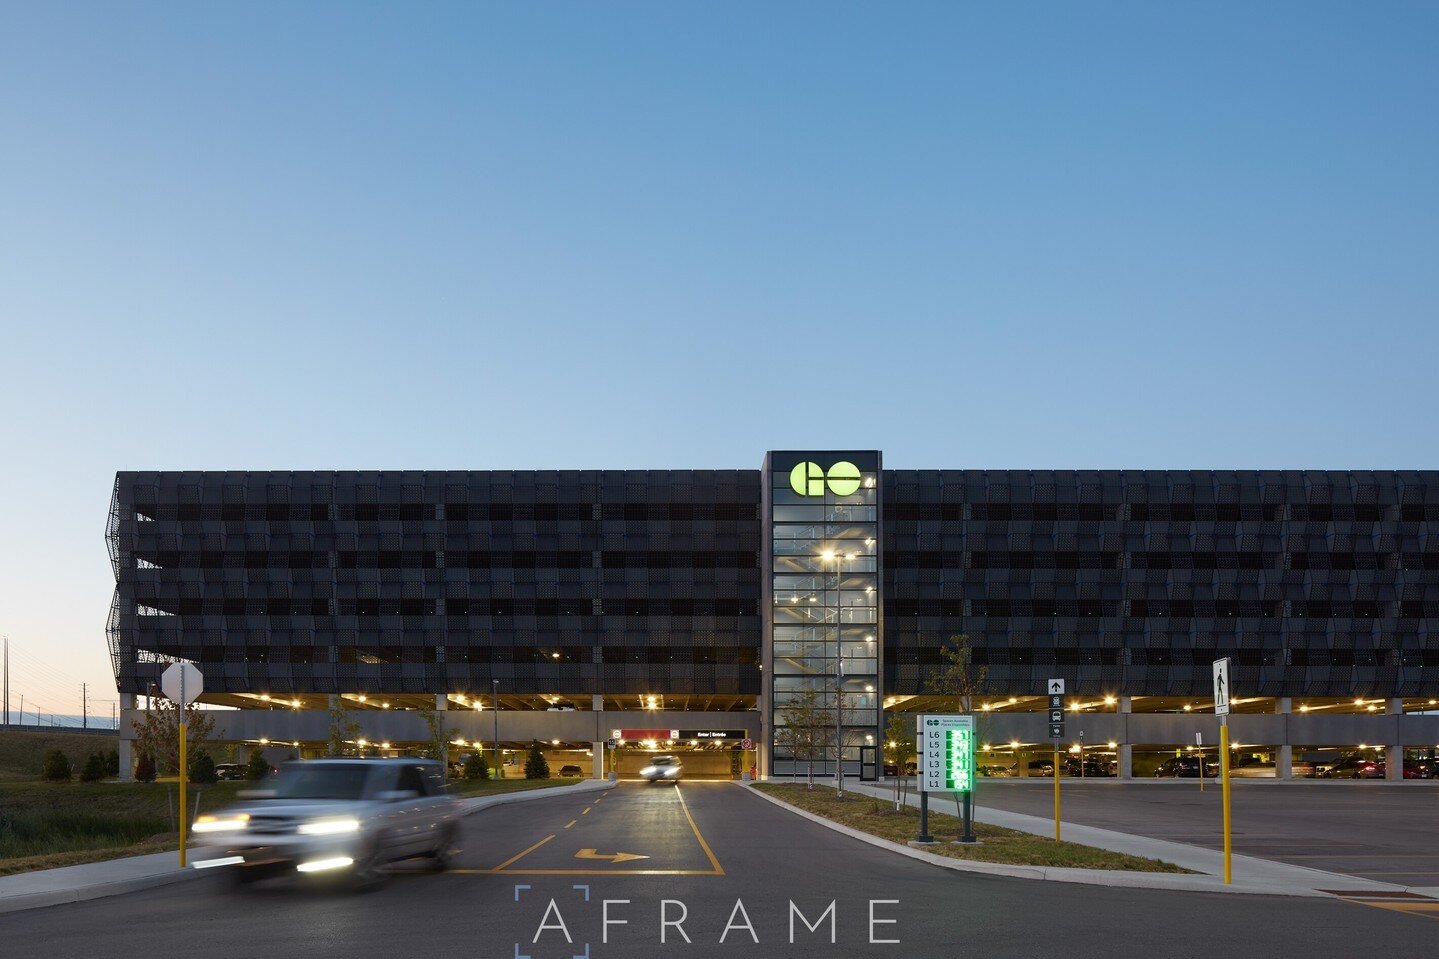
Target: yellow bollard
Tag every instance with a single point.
(1224, 788)
(1056, 794)
(184, 777)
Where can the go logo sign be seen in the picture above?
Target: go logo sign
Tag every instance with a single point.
(808, 479)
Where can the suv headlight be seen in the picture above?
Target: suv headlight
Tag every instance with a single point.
(220, 823)
(329, 827)
(647, 771)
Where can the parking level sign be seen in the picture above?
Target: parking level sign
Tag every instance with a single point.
(946, 753)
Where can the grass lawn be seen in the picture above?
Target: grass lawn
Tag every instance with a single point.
(60, 824)
(21, 753)
(878, 817)
(46, 825)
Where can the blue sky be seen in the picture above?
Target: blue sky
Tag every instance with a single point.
(675, 235)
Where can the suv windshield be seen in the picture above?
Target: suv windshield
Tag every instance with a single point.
(321, 781)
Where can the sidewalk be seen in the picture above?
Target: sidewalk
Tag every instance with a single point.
(96, 880)
(1249, 872)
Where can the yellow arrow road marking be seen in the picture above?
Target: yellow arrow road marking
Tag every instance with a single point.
(609, 856)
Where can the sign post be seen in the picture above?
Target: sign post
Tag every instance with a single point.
(1222, 696)
(1055, 688)
(946, 756)
(182, 684)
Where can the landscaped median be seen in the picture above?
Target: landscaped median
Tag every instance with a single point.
(879, 818)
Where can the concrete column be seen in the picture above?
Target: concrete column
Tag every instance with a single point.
(1126, 748)
(597, 705)
(1394, 750)
(127, 758)
(1284, 758)
(1021, 764)
(442, 705)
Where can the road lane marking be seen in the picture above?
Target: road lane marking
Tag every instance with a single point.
(517, 858)
(587, 811)
(592, 853)
(571, 823)
(718, 870)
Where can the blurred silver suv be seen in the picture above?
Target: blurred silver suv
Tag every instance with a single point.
(334, 816)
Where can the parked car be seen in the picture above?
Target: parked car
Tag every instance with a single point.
(1251, 768)
(570, 771)
(561, 706)
(1093, 766)
(334, 816)
(995, 770)
(1186, 767)
(1037, 767)
(1355, 767)
(229, 772)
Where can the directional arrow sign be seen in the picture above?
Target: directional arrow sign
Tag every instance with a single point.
(609, 856)
(1056, 687)
(1221, 687)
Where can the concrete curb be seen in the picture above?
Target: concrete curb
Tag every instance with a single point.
(473, 806)
(1089, 877)
(164, 875)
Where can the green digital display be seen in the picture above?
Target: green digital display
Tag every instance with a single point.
(959, 753)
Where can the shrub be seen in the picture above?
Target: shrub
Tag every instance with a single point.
(258, 767)
(56, 767)
(535, 765)
(202, 768)
(476, 767)
(112, 763)
(95, 769)
(145, 769)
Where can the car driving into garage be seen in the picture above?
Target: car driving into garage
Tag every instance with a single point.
(337, 816)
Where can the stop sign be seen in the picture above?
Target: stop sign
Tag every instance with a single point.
(182, 683)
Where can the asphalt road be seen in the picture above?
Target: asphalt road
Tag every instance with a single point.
(1372, 829)
(705, 845)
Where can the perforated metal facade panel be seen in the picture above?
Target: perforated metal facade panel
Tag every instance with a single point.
(1316, 583)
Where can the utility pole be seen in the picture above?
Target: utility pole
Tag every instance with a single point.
(7, 682)
(84, 705)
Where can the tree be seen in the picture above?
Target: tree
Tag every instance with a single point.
(56, 767)
(535, 765)
(957, 678)
(95, 769)
(476, 767)
(898, 749)
(801, 729)
(258, 767)
(157, 734)
(145, 769)
(434, 747)
(344, 729)
(202, 767)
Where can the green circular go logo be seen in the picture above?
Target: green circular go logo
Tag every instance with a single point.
(809, 479)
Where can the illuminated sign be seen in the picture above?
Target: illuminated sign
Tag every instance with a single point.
(946, 753)
(810, 479)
